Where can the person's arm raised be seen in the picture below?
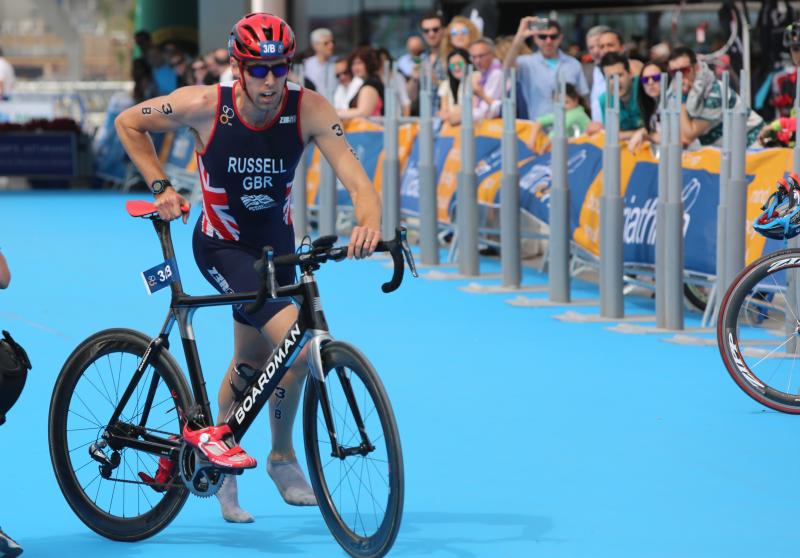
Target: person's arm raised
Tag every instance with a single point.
(323, 127)
(187, 106)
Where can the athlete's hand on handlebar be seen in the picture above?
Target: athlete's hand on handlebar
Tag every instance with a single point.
(363, 241)
(171, 205)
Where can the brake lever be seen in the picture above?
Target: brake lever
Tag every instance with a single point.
(269, 256)
(402, 234)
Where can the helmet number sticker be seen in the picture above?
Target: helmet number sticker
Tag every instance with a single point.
(271, 48)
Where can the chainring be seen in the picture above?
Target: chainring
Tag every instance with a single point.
(201, 477)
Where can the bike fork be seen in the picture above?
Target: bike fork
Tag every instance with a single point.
(314, 358)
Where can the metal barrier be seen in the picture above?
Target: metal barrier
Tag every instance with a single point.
(560, 233)
(611, 213)
(509, 194)
(467, 201)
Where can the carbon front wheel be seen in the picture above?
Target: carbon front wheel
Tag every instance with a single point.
(758, 331)
(115, 502)
(360, 490)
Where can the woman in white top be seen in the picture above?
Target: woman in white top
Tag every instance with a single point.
(452, 88)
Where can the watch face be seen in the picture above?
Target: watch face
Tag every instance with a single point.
(159, 186)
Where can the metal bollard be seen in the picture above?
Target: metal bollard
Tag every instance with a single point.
(737, 191)
(467, 202)
(724, 178)
(663, 162)
(390, 189)
(428, 203)
(510, 249)
(611, 215)
(559, 205)
(673, 214)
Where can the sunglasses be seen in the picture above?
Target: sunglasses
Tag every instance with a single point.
(686, 70)
(260, 71)
(340, 74)
(198, 68)
(459, 31)
(428, 30)
(457, 65)
(548, 36)
(647, 80)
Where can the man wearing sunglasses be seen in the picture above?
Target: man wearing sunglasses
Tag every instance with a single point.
(250, 135)
(537, 72)
(701, 112)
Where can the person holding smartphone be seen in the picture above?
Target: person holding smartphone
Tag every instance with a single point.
(537, 72)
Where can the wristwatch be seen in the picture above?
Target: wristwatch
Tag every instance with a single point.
(158, 186)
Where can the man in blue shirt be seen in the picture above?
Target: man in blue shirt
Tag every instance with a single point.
(537, 72)
(630, 117)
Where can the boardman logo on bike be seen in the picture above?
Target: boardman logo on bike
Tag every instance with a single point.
(267, 374)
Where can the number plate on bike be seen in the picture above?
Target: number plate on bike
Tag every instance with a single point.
(160, 276)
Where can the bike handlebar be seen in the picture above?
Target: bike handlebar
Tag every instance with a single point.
(323, 251)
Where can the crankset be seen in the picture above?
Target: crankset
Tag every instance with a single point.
(201, 477)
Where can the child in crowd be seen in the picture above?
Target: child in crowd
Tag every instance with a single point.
(576, 118)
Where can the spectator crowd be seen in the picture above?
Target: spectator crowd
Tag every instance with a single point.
(356, 85)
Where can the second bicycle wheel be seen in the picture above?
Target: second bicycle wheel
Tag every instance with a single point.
(360, 495)
(758, 331)
(117, 505)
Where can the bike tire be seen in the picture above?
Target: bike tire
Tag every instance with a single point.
(755, 327)
(697, 295)
(90, 372)
(377, 413)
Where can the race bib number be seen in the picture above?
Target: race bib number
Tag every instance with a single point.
(160, 276)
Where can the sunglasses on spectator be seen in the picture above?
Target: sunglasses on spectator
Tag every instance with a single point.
(685, 71)
(260, 71)
(548, 36)
(457, 66)
(199, 67)
(340, 74)
(427, 30)
(459, 31)
(221, 61)
(655, 78)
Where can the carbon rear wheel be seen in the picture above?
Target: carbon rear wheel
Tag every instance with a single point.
(117, 504)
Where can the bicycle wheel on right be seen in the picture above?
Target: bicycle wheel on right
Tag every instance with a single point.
(360, 494)
(758, 331)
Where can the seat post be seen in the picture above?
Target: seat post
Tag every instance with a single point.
(165, 237)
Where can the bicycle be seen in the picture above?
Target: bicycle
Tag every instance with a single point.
(758, 327)
(351, 439)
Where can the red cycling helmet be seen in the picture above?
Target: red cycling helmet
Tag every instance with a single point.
(261, 36)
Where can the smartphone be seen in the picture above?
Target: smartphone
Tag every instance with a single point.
(540, 25)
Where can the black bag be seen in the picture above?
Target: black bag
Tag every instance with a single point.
(14, 366)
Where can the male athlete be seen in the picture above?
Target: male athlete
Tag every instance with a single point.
(250, 134)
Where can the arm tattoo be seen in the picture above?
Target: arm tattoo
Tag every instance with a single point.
(337, 129)
(166, 109)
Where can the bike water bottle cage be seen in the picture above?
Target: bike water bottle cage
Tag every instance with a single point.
(780, 217)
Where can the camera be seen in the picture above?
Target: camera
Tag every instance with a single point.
(540, 25)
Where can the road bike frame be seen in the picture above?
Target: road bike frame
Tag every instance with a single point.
(310, 329)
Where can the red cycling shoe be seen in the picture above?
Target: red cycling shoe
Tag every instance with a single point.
(210, 441)
(165, 466)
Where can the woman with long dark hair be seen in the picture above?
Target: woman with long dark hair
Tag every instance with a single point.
(451, 89)
(648, 95)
